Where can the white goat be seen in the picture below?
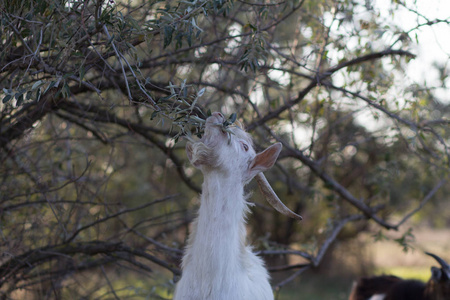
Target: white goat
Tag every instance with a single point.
(218, 265)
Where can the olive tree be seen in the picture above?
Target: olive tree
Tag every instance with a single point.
(96, 191)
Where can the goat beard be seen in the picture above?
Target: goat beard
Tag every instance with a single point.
(201, 155)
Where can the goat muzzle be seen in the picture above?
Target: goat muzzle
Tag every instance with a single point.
(273, 199)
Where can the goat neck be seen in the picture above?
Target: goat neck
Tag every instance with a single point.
(218, 244)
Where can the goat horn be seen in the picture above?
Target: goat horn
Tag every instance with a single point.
(445, 266)
(272, 198)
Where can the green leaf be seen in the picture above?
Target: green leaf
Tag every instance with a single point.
(252, 27)
(38, 95)
(82, 73)
(134, 23)
(189, 37)
(37, 84)
(154, 115)
(65, 90)
(19, 100)
(6, 98)
(52, 84)
(232, 118)
(168, 31)
(179, 39)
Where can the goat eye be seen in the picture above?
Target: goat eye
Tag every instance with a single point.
(245, 147)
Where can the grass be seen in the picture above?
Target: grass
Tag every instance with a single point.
(316, 287)
(419, 273)
(320, 287)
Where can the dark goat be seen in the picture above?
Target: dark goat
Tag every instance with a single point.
(388, 287)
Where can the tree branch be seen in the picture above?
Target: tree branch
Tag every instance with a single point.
(318, 80)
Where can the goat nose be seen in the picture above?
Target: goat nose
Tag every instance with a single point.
(218, 114)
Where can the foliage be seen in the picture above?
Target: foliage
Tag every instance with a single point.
(95, 189)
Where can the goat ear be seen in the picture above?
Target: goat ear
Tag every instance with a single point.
(264, 160)
(436, 274)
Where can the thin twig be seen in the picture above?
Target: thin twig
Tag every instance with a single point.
(105, 29)
(422, 203)
(124, 211)
(109, 282)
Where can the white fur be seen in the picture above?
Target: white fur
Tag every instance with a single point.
(218, 265)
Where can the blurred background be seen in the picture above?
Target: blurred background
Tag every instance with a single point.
(96, 192)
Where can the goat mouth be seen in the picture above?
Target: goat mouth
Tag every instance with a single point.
(215, 119)
(218, 123)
